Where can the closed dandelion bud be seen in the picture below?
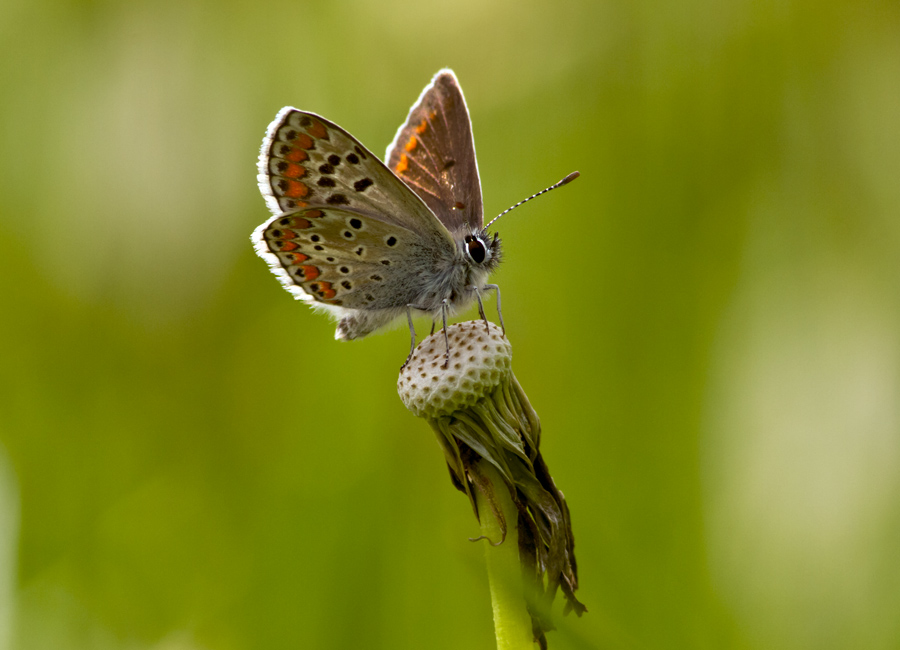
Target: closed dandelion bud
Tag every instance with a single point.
(478, 361)
(490, 437)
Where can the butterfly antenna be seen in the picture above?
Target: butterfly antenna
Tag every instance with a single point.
(568, 179)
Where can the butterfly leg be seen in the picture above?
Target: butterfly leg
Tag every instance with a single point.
(489, 287)
(412, 335)
(444, 304)
(444, 307)
(433, 325)
(481, 308)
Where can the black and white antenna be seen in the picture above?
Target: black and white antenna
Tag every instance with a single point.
(568, 179)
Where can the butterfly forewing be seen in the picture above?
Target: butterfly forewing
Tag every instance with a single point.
(307, 161)
(434, 154)
(337, 257)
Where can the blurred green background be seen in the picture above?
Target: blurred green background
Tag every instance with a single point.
(708, 323)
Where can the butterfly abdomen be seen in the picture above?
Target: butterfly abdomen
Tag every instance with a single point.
(357, 324)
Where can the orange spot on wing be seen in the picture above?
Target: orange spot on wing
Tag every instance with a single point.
(296, 155)
(310, 272)
(423, 126)
(313, 214)
(303, 141)
(296, 189)
(288, 234)
(296, 258)
(288, 246)
(432, 115)
(294, 171)
(317, 130)
(302, 224)
(403, 165)
(326, 291)
(411, 144)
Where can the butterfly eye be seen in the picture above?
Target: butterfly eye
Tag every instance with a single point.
(476, 249)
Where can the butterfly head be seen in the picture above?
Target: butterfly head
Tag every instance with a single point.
(482, 250)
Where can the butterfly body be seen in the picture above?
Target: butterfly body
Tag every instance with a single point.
(435, 283)
(368, 241)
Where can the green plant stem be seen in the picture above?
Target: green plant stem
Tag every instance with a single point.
(512, 623)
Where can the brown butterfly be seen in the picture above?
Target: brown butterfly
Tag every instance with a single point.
(369, 241)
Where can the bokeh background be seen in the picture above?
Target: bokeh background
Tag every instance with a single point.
(708, 323)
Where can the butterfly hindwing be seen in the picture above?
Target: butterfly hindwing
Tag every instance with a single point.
(434, 154)
(307, 161)
(338, 258)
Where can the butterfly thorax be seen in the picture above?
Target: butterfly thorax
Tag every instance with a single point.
(456, 280)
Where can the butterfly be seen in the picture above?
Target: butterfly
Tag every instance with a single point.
(369, 241)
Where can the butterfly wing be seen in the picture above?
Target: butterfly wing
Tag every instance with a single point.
(434, 154)
(307, 161)
(341, 260)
